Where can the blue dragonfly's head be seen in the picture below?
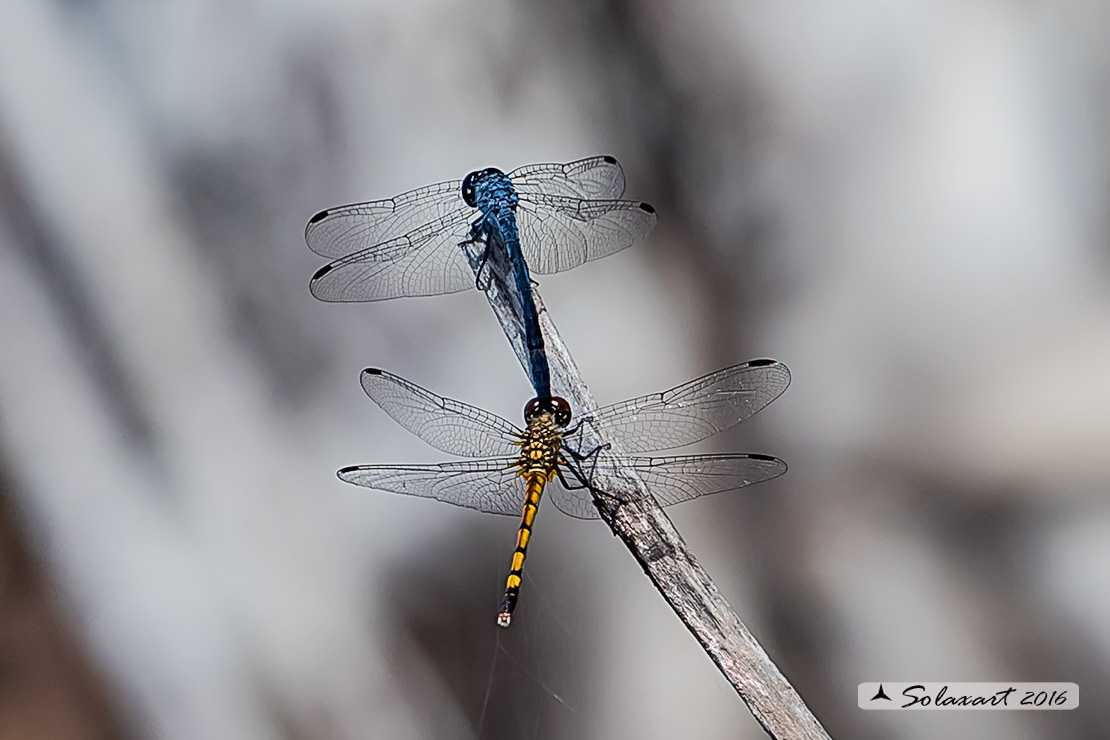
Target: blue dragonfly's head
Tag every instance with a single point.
(557, 407)
(479, 180)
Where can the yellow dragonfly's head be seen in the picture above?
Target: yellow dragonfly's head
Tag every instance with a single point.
(557, 407)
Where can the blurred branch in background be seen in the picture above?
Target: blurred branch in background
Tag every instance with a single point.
(50, 689)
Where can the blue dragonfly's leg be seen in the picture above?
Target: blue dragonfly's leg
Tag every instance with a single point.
(479, 234)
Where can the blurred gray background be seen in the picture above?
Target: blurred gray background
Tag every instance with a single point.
(905, 202)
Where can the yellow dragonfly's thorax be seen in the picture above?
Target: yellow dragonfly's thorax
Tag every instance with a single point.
(539, 448)
(543, 437)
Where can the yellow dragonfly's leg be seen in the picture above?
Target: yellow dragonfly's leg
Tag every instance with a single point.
(512, 587)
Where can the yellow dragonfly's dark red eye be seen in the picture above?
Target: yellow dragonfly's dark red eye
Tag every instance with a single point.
(557, 407)
(561, 411)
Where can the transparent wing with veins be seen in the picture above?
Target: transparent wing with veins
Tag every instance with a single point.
(559, 232)
(493, 486)
(345, 230)
(454, 427)
(693, 411)
(426, 260)
(599, 178)
(671, 480)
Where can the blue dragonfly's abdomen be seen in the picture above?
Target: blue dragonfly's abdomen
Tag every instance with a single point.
(492, 193)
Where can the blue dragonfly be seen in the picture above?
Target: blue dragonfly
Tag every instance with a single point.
(551, 217)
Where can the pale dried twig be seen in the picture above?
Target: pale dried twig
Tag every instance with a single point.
(638, 520)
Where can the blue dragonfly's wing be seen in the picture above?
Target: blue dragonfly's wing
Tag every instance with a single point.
(568, 213)
(424, 261)
(598, 178)
(345, 230)
(493, 486)
(451, 426)
(558, 232)
(408, 245)
(359, 227)
(694, 410)
(672, 480)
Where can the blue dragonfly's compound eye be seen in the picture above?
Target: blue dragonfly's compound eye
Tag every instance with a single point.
(468, 189)
(470, 181)
(557, 407)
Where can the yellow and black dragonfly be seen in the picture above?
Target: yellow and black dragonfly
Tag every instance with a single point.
(548, 445)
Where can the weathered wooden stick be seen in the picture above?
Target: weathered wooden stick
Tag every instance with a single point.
(640, 522)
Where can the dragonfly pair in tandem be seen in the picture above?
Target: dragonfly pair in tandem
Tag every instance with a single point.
(549, 445)
(551, 217)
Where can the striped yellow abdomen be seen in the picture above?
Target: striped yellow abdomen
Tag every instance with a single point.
(537, 479)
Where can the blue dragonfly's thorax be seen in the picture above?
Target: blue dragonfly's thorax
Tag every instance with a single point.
(492, 193)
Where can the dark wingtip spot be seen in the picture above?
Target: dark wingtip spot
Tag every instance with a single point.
(648, 207)
(345, 471)
(321, 272)
(318, 217)
(371, 371)
(758, 456)
(610, 159)
(762, 363)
